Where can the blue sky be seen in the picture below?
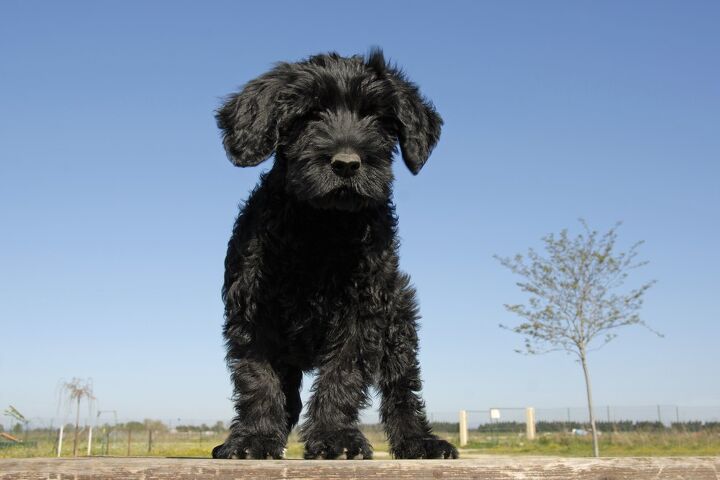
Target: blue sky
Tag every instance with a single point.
(116, 199)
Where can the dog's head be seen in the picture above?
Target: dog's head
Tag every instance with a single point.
(333, 124)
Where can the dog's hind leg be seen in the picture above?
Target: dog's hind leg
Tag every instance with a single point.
(402, 409)
(260, 428)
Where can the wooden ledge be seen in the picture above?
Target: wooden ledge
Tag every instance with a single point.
(490, 467)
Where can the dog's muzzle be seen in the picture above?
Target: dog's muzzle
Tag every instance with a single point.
(345, 164)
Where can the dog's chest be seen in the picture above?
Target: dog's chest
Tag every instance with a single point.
(322, 296)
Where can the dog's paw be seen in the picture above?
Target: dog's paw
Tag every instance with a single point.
(255, 447)
(425, 447)
(330, 445)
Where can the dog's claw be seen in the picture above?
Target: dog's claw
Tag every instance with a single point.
(426, 448)
(255, 448)
(330, 446)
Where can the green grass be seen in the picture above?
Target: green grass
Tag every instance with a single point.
(626, 444)
(200, 445)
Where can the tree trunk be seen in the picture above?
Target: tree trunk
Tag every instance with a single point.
(593, 429)
(77, 427)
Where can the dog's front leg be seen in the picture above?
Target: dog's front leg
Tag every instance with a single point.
(331, 428)
(260, 427)
(402, 409)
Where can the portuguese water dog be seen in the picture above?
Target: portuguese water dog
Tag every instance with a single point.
(311, 275)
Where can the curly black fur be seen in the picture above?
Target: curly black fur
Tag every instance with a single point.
(311, 274)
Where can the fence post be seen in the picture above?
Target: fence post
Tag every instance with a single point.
(60, 437)
(89, 451)
(530, 423)
(463, 428)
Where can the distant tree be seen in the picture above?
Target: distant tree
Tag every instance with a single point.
(155, 425)
(134, 426)
(75, 390)
(576, 299)
(219, 427)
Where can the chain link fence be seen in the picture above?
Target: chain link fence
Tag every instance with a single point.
(660, 416)
(496, 421)
(108, 435)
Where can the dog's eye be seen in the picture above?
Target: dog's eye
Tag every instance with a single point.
(380, 117)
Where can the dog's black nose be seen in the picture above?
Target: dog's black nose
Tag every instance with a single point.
(345, 164)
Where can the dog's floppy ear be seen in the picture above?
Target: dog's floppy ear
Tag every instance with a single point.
(418, 123)
(250, 119)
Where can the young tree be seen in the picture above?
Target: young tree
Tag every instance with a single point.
(576, 299)
(75, 390)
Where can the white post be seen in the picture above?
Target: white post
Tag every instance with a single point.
(89, 451)
(463, 428)
(530, 423)
(62, 427)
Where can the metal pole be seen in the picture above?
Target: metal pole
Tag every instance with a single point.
(567, 423)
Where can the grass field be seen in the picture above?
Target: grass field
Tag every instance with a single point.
(197, 444)
(626, 444)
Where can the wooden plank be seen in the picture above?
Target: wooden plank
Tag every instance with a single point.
(486, 468)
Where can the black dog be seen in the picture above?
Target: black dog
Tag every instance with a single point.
(311, 274)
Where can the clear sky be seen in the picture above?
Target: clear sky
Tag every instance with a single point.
(116, 199)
